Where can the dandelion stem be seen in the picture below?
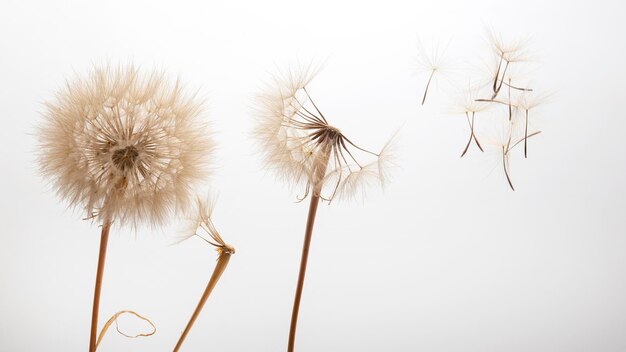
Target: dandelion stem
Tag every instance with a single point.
(518, 88)
(315, 199)
(497, 89)
(496, 101)
(521, 140)
(526, 136)
(432, 72)
(472, 135)
(495, 80)
(506, 168)
(510, 108)
(104, 239)
(222, 262)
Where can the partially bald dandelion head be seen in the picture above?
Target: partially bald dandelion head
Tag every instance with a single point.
(124, 145)
(201, 224)
(304, 148)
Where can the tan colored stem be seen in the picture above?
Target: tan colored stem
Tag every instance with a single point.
(308, 233)
(104, 239)
(526, 136)
(222, 262)
(506, 168)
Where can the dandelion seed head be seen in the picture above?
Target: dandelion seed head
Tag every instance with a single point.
(300, 144)
(125, 146)
(467, 101)
(435, 60)
(531, 100)
(509, 50)
(200, 223)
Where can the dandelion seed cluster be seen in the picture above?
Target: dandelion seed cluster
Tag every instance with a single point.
(202, 219)
(301, 145)
(125, 146)
(503, 92)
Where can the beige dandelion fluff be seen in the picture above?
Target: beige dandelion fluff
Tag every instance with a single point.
(505, 99)
(302, 146)
(502, 139)
(125, 147)
(435, 61)
(467, 104)
(507, 53)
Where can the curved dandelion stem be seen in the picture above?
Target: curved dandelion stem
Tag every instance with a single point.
(468, 143)
(497, 102)
(222, 263)
(510, 107)
(308, 233)
(432, 73)
(497, 87)
(495, 79)
(518, 88)
(526, 136)
(505, 165)
(472, 135)
(521, 140)
(104, 239)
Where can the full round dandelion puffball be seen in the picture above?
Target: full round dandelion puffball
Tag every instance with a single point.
(125, 145)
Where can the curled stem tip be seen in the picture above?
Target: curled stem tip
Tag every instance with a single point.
(113, 319)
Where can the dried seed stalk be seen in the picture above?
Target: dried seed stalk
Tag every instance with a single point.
(104, 239)
(222, 263)
(308, 233)
(224, 253)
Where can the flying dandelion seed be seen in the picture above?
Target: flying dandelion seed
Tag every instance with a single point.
(303, 147)
(505, 140)
(469, 106)
(518, 98)
(124, 147)
(529, 101)
(436, 61)
(507, 52)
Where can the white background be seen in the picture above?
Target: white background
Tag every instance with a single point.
(447, 258)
